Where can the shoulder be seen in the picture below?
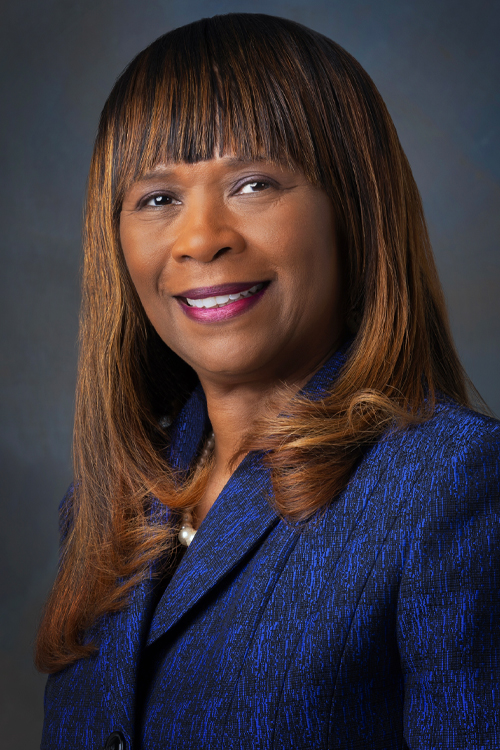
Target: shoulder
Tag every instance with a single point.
(447, 473)
(453, 436)
(439, 472)
(460, 425)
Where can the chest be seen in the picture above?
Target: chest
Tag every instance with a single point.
(271, 637)
(274, 652)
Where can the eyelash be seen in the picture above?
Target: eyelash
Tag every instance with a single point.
(145, 203)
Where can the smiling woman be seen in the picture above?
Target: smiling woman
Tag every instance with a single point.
(224, 226)
(283, 530)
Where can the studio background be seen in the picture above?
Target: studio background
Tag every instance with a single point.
(436, 63)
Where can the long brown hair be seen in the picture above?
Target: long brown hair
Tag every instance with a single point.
(257, 86)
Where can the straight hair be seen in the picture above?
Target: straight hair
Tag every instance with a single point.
(259, 87)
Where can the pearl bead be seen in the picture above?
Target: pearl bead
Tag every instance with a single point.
(186, 535)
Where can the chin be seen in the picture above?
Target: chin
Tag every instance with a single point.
(227, 372)
(228, 367)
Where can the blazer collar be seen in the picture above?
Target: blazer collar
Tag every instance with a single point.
(238, 521)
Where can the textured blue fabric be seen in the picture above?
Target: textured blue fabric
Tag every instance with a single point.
(376, 626)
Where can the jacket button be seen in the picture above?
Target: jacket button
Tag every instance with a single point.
(115, 741)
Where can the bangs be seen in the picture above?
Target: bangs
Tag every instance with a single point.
(212, 88)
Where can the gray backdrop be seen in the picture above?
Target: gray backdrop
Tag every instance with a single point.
(436, 63)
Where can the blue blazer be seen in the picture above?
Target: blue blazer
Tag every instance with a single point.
(375, 626)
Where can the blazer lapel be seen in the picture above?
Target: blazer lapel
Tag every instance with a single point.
(236, 523)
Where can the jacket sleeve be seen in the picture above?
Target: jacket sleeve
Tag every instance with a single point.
(449, 605)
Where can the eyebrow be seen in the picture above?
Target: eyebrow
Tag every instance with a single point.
(164, 171)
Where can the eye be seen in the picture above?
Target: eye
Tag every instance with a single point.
(159, 200)
(256, 186)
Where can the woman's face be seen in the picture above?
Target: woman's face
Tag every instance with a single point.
(237, 266)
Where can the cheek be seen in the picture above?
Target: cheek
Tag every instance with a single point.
(310, 259)
(131, 249)
(141, 258)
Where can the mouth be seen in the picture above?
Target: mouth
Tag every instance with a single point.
(209, 298)
(218, 303)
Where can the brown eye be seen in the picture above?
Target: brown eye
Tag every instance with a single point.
(254, 187)
(157, 201)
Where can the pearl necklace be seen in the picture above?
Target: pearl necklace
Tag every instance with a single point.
(187, 532)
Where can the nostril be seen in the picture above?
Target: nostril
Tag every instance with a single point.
(221, 252)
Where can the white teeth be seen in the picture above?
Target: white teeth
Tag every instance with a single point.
(223, 299)
(208, 302)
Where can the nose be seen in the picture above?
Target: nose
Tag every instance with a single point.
(206, 231)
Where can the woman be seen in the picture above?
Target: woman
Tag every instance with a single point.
(283, 530)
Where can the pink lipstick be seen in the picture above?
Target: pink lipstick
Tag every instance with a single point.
(217, 303)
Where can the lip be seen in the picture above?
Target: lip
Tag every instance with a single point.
(216, 291)
(219, 314)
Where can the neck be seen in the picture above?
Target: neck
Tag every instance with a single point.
(234, 409)
(233, 413)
